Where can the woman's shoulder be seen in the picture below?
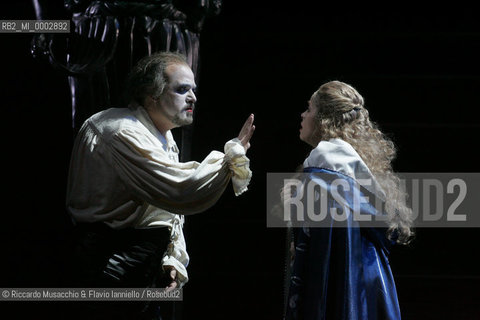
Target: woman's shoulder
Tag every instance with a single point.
(337, 155)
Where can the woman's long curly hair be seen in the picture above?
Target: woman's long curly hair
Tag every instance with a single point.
(341, 114)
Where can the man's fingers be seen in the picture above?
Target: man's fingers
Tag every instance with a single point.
(246, 141)
(250, 133)
(173, 283)
(171, 286)
(246, 127)
(247, 132)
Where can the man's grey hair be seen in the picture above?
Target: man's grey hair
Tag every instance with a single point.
(148, 77)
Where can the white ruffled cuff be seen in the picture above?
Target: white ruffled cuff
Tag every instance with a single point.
(182, 274)
(239, 165)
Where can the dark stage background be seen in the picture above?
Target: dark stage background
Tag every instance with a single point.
(418, 70)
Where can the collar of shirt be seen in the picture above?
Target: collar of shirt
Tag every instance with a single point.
(167, 141)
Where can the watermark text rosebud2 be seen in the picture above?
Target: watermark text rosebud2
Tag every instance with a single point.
(330, 199)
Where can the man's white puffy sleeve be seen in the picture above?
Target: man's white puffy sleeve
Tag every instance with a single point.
(176, 255)
(179, 187)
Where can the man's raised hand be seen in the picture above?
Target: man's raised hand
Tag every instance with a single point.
(246, 132)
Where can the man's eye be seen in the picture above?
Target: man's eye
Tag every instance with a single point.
(182, 90)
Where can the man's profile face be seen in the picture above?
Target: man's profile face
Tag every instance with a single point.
(177, 102)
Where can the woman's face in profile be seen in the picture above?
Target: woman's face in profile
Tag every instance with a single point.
(308, 125)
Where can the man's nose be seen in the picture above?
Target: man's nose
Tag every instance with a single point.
(191, 97)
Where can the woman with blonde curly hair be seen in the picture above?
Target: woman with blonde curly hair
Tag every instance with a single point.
(341, 271)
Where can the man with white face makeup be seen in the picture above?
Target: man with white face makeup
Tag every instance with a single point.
(128, 193)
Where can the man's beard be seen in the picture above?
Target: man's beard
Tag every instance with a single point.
(182, 119)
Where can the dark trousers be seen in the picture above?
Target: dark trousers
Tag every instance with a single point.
(103, 257)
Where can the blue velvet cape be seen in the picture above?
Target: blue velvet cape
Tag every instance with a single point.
(341, 272)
